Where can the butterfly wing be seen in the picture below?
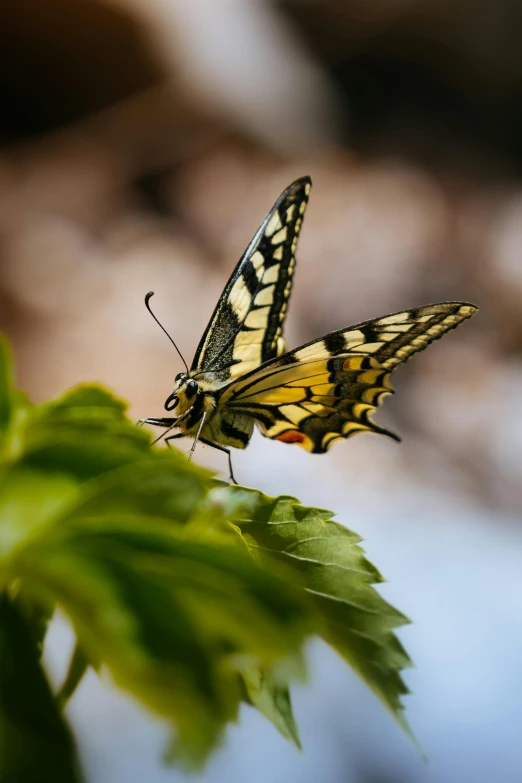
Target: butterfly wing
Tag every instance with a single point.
(329, 388)
(246, 327)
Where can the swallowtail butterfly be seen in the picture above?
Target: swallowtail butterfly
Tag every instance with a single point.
(244, 375)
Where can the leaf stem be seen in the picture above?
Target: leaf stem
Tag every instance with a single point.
(77, 668)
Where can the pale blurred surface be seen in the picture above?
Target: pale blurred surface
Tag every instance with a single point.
(142, 144)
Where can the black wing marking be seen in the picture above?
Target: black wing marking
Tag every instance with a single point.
(328, 389)
(246, 327)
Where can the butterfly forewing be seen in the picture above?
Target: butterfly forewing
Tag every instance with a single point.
(329, 388)
(246, 327)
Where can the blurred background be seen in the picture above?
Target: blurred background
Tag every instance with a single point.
(142, 143)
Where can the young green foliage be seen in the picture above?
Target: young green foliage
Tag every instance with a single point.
(349, 613)
(191, 594)
(35, 743)
(272, 698)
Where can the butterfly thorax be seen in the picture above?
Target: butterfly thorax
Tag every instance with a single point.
(194, 400)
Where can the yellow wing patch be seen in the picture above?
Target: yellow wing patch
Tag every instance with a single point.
(253, 306)
(330, 388)
(314, 403)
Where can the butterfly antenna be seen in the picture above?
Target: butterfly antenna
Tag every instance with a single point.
(147, 305)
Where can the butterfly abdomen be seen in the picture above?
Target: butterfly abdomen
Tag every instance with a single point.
(230, 429)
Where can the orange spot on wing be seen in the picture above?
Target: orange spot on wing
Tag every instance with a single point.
(291, 436)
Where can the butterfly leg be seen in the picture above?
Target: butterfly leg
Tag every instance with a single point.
(173, 437)
(166, 422)
(227, 452)
(191, 454)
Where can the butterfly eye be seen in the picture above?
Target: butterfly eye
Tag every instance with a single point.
(179, 377)
(191, 389)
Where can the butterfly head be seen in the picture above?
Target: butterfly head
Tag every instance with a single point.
(184, 394)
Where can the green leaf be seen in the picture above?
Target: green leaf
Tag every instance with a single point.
(35, 744)
(87, 395)
(30, 502)
(36, 615)
(273, 700)
(84, 433)
(6, 387)
(193, 595)
(164, 485)
(78, 665)
(350, 613)
(173, 619)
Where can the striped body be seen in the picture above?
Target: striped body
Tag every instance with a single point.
(223, 426)
(326, 390)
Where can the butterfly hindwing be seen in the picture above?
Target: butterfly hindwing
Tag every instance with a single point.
(246, 327)
(329, 388)
(313, 403)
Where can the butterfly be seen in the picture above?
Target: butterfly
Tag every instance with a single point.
(244, 375)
